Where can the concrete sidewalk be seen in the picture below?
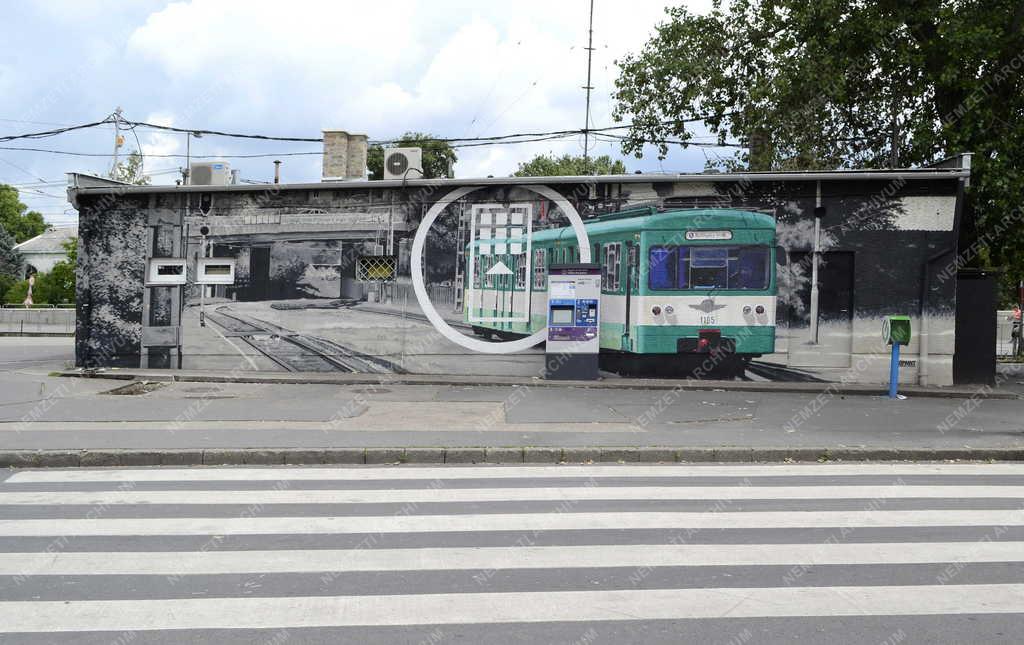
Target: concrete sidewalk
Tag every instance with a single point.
(289, 418)
(78, 422)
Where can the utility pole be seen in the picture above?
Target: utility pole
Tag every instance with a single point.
(117, 139)
(588, 87)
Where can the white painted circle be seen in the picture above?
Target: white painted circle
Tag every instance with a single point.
(446, 330)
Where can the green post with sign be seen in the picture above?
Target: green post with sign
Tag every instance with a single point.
(895, 332)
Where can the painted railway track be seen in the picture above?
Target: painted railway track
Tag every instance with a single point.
(296, 352)
(411, 316)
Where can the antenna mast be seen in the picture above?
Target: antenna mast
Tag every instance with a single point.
(117, 139)
(588, 87)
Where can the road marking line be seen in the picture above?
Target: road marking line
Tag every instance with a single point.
(485, 558)
(506, 522)
(523, 494)
(360, 473)
(485, 608)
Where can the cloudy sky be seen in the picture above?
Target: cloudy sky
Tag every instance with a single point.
(454, 68)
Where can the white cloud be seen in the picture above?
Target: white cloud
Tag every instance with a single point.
(451, 68)
(448, 67)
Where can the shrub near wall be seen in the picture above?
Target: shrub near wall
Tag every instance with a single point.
(50, 289)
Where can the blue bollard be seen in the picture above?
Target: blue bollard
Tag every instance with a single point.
(894, 371)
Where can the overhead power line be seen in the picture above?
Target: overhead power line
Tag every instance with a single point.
(239, 135)
(52, 133)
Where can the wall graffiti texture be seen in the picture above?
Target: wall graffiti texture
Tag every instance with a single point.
(298, 303)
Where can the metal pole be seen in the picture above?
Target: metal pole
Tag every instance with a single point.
(202, 287)
(188, 156)
(894, 371)
(588, 87)
(117, 144)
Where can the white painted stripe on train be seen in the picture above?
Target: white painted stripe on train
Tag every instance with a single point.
(486, 608)
(523, 494)
(360, 473)
(485, 558)
(505, 522)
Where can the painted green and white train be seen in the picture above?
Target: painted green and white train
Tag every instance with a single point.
(682, 282)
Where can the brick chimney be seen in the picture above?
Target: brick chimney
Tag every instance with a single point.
(344, 155)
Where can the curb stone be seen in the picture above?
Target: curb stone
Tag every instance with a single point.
(224, 457)
(581, 455)
(464, 455)
(135, 458)
(92, 458)
(343, 456)
(505, 455)
(620, 454)
(57, 458)
(424, 456)
(180, 457)
(542, 455)
(384, 455)
(696, 455)
(734, 454)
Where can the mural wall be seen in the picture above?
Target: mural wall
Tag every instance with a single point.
(322, 276)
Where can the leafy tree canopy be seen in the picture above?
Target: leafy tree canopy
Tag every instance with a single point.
(438, 156)
(826, 84)
(15, 217)
(551, 166)
(130, 170)
(10, 260)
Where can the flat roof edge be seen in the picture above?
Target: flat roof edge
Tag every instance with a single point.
(830, 175)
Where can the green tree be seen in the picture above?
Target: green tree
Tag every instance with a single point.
(130, 171)
(551, 166)
(10, 259)
(62, 275)
(10, 262)
(833, 84)
(438, 156)
(15, 217)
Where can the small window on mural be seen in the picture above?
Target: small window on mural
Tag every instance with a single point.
(170, 269)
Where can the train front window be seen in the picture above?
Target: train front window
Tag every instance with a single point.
(662, 267)
(709, 267)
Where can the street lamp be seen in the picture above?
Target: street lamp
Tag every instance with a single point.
(187, 172)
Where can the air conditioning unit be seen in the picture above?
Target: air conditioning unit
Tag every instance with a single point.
(403, 163)
(210, 173)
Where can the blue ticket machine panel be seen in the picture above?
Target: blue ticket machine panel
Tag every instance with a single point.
(574, 304)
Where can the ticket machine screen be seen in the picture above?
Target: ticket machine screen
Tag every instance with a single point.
(562, 315)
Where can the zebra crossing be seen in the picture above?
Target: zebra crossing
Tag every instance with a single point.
(732, 554)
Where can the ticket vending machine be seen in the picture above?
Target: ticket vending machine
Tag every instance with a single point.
(574, 322)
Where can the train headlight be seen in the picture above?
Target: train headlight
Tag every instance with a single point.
(656, 310)
(669, 310)
(746, 310)
(759, 309)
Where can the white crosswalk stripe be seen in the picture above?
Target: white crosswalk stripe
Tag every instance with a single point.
(347, 554)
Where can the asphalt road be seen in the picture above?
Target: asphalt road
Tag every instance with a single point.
(732, 555)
